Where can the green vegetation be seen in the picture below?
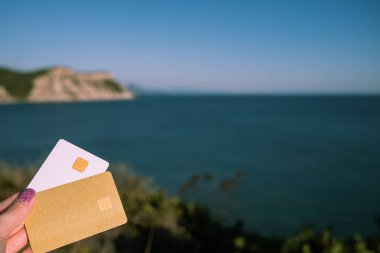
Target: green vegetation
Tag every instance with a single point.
(18, 84)
(112, 85)
(160, 223)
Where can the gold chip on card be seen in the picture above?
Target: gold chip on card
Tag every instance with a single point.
(80, 164)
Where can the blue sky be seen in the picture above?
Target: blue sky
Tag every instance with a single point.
(211, 46)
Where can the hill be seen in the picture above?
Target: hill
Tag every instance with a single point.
(59, 84)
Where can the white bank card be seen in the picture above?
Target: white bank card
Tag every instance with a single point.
(66, 163)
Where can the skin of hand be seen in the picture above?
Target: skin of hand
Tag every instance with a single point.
(13, 212)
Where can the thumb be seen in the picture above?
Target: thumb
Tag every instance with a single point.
(16, 213)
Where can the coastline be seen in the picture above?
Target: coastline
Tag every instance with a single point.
(17, 102)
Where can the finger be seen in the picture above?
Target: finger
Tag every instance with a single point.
(16, 213)
(28, 250)
(5, 203)
(17, 241)
(18, 228)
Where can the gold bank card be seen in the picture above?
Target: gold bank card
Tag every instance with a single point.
(74, 211)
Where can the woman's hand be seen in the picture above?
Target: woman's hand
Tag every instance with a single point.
(13, 212)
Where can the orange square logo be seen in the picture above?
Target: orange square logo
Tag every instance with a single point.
(80, 164)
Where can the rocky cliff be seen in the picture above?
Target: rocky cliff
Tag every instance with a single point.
(59, 84)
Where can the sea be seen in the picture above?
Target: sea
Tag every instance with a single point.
(275, 163)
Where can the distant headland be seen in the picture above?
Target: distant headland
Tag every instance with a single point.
(59, 84)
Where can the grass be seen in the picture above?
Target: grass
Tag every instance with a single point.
(161, 223)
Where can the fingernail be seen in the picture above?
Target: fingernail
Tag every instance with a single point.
(26, 195)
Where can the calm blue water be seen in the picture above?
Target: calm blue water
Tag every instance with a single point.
(304, 160)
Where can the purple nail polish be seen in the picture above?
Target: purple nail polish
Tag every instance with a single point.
(26, 195)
